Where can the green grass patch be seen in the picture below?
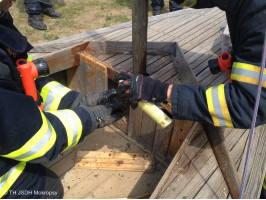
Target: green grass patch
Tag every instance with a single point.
(121, 18)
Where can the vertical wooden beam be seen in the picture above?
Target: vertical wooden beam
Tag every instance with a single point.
(139, 51)
(139, 35)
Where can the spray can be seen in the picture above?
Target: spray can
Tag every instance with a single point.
(152, 110)
(158, 115)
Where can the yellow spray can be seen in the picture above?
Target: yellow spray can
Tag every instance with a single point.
(158, 115)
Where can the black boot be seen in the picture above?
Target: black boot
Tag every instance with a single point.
(36, 22)
(51, 12)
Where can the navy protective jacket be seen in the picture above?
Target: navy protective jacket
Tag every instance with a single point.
(27, 134)
(230, 105)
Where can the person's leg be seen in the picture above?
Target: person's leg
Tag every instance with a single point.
(36, 182)
(34, 9)
(157, 6)
(53, 187)
(173, 6)
(47, 9)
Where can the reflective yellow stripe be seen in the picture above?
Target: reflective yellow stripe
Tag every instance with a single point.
(247, 73)
(264, 183)
(189, 3)
(52, 94)
(224, 107)
(38, 145)
(29, 58)
(72, 124)
(10, 177)
(217, 106)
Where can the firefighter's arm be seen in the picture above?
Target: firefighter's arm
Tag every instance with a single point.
(225, 105)
(57, 96)
(30, 135)
(196, 3)
(225, 5)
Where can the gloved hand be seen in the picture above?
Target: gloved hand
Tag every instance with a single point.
(137, 87)
(106, 114)
(98, 98)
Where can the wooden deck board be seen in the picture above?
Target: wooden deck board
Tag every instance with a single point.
(105, 184)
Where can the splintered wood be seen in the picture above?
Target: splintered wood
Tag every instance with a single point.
(115, 161)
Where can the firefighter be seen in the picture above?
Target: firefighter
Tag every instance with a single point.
(30, 136)
(224, 105)
(34, 8)
(157, 6)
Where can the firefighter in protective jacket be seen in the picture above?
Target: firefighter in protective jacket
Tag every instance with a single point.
(225, 105)
(28, 135)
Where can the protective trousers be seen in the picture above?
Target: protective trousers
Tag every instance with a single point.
(35, 7)
(159, 4)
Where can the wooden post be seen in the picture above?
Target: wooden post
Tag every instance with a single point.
(139, 35)
(221, 152)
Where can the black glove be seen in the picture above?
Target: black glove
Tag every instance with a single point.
(98, 98)
(136, 87)
(106, 114)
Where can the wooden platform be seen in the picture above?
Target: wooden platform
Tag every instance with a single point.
(193, 172)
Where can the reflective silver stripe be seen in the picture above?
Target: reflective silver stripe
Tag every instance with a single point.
(247, 73)
(6, 176)
(8, 179)
(38, 146)
(217, 106)
(72, 124)
(40, 143)
(51, 95)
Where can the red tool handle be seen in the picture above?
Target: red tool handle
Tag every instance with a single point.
(28, 72)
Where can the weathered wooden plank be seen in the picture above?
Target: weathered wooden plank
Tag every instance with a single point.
(195, 165)
(182, 26)
(88, 77)
(162, 140)
(180, 132)
(147, 131)
(64, 58)
(224, 159)
(115, 161)
(184, 71)
(125, 47)
(216, 187)
(64, 162)
(135, 123)
(257, 166)
(111, 72)
(169, 172)
(99, 34)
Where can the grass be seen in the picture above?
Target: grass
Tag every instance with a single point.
(77, 17)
